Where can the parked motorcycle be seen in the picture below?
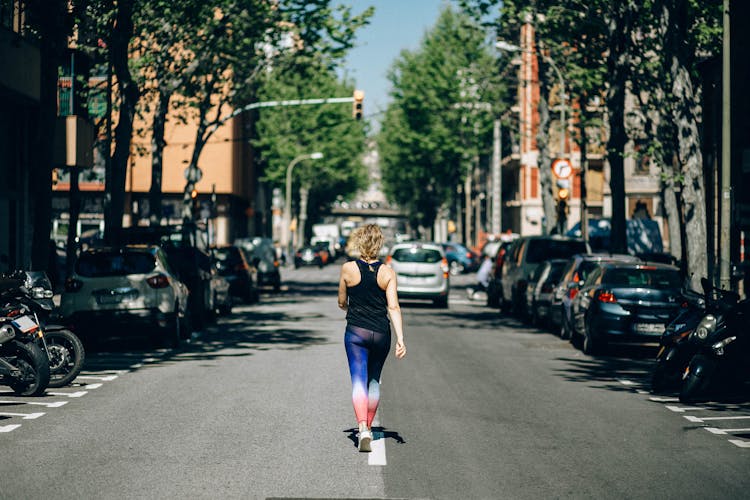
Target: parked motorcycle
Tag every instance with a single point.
(722, 349)
(24, 366)
(62, 347)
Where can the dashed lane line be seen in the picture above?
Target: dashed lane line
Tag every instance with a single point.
(683, 409)
(77, 394)
(24, 416)
(107, 378)
(740, 443)
(92, 386)
(54, 404)
(691, 418)
(716, 430)
(377, 455)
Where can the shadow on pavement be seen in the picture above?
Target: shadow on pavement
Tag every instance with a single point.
(377, 433)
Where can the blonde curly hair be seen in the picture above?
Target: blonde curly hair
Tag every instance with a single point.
(368, 239)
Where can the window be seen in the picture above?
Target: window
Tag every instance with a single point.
(641, 277)
(423, 255)
(100, 264)
(543, 249)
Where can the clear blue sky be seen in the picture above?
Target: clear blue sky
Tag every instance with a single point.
(396, 25)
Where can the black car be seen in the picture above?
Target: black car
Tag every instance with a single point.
(309, 256)
(626, 303)
(540, 290)
(235, 268)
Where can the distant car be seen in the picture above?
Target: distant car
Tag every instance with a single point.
(261, 253)
(494, 288)
(626, 303)
(523, 257)
(324, 249)
(235, 268)
(540, 290)
(131, 289)
(574, 275)
(460, 258)
(422, 271)
(309, 256)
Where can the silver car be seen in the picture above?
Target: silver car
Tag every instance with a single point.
(422, 271)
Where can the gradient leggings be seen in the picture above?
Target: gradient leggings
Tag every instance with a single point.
(366, 351)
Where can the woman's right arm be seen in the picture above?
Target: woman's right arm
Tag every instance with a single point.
(394, 312)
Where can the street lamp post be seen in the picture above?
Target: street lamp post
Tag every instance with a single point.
(288, 197)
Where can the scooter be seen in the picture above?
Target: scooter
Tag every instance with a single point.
(722, 351)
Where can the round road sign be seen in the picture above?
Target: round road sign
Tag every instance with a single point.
(562, 168)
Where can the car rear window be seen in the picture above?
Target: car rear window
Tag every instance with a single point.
(100, 264)
(542, 249)
(652, 278)
(414, 254)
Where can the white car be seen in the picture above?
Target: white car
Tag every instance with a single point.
(130, 288)
(422, 271)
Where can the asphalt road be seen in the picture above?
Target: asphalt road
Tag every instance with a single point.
(258, 406)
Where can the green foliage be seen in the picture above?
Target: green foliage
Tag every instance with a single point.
(438, 121)
(290, 131)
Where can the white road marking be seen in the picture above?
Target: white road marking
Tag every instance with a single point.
(136, 366)
(8, 428)
(738, 417)
(106, 378)
(740, 443)
(715, 430)
(641, 391)
(78, 394)
(377, 455)
(24, 416)
(93, 386)
(663, 400)
(56, 404)
(683, 409)
(626, 382)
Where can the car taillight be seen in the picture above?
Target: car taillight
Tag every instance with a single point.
(158, 281)
(73, 285)
(468, 255)
(605, 296)
(446, 268)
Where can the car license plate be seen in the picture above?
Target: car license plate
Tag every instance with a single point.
(651, 328)
(25, 324)
(115, 296)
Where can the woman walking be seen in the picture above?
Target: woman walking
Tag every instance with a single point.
(367, 292)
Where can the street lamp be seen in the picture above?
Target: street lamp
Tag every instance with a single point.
(509, 47)
(288, 206)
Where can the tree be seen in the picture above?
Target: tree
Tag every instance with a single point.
(284, 133)
(440, 119)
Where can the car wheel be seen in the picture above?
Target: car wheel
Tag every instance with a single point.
(441, 302)
(565, 332)
(172, 333)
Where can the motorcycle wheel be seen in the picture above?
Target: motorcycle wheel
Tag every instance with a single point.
(34, 366)
(695, 386)
(663, 379)
(66, 355)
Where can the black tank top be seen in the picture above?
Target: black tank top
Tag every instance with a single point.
(368, 307)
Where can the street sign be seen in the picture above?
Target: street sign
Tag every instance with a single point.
(562, 168)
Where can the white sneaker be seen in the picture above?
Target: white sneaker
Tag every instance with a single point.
(365, 438)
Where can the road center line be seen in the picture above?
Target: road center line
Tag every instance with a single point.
(377, 455)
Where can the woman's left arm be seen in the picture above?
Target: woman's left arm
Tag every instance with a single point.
(343, 303)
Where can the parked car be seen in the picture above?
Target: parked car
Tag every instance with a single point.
(209, 292)
(422, 271)
(129, 289)
(460, 258)
(625, 303)
(324, 249)
(540, 290)
(575, 273)
(233, 265)
(309, 256)
(261, 253)
(523, 257)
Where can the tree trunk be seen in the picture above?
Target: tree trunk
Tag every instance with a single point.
(674, 221)
(544, 162)
(157, 156)
(128, 97)
(686, 116)
(619, 28)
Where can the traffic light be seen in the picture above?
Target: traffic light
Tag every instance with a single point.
(357, 104)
